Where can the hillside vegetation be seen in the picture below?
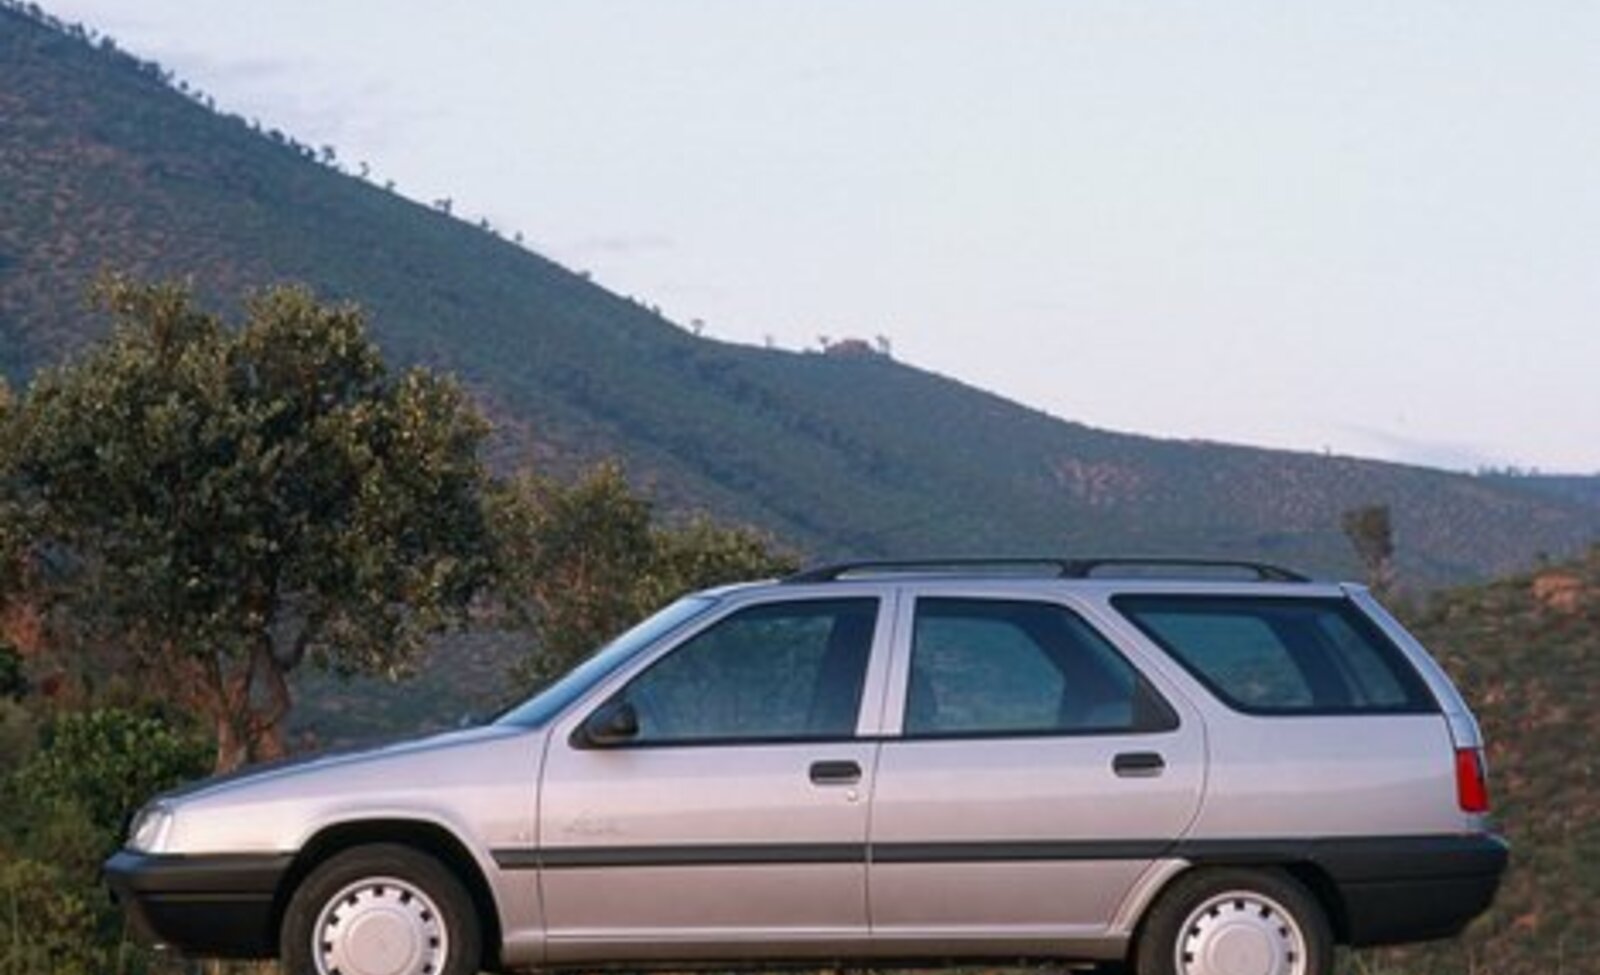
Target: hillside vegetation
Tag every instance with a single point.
(104, 162)
(1526, 653)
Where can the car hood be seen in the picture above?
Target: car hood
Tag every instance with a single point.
(479, 784)
(346, 759)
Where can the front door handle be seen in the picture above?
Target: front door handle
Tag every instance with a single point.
(1138, 765)
(835, 773)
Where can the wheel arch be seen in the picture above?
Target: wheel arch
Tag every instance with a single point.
(1187, 886)
(1306, 873)
(1315, 879)
(423, 835)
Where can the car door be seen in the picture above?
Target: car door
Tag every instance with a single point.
(1037, 773)
(733, 806)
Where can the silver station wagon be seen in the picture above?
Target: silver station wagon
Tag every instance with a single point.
(1198, 768)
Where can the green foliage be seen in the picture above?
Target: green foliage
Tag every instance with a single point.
(50, 921)
(237, 500)
(13, 528)
(66, 806)
(579, 563)
(19, 736)
(13, 682)
(570, 561)
(703, 553)
(107, 762)
(1525, 652)
(1371, 533)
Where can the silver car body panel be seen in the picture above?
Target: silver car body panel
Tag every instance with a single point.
(1319, 776)
(1010, 839)
(478, 785)
(741, 845)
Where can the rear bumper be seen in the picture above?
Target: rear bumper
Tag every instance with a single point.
(1413, 888)
(214, 906)
(1390, 889)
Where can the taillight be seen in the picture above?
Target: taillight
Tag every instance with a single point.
(1472, 783)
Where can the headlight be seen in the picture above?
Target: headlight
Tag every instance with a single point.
(148, 834)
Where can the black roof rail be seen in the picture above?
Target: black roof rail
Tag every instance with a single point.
(1065, 568)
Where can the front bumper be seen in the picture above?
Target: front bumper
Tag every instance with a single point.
(220, 906)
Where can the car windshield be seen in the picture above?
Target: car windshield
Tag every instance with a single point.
(553, 699)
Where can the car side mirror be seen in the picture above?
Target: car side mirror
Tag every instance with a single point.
(612, 723)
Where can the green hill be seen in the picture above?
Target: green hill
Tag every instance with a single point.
(1526, 653)
(105, 163)
(1575, 487)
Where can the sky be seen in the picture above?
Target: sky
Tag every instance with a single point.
(1369, 228)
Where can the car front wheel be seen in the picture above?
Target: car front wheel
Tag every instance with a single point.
(1235, 922)
(382, 909)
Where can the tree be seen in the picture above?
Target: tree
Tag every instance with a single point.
(1371, 534)
(579, 563)
(11, 531)
(13, 682)
(232, 503)
(16, 601)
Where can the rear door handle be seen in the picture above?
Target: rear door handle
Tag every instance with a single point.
(1138, 765)
(835, 773)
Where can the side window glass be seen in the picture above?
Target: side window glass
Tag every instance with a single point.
(982, 666)
(1282, 655)
(1239, 653)
(779, 672)
(1374, 681)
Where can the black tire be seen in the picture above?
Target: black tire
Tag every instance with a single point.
(1273, 917)
(420, 903)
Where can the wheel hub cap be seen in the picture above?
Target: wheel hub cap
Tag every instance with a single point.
(380, 926)
(1241, 933)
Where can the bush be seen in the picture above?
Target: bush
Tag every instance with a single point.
(107, 762)
(66, 803)
(50, 921)
(13, 683)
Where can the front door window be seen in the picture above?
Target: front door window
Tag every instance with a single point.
(780, 672)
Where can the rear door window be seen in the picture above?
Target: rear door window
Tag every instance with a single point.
(1282, 655)
(1003, 667)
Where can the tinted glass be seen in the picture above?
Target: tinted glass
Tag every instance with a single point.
(1313, 656)
(1010, 667)
(787, 671)
(577, 681)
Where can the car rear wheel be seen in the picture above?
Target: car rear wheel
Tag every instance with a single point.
(382, 909)
(1235, 922)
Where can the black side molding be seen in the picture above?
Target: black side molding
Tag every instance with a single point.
(766, 854)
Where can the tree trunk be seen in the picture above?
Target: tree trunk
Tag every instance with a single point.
(267, 721)
(247, 706)
(232, 750)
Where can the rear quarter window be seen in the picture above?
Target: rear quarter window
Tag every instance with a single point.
(1276, 655)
